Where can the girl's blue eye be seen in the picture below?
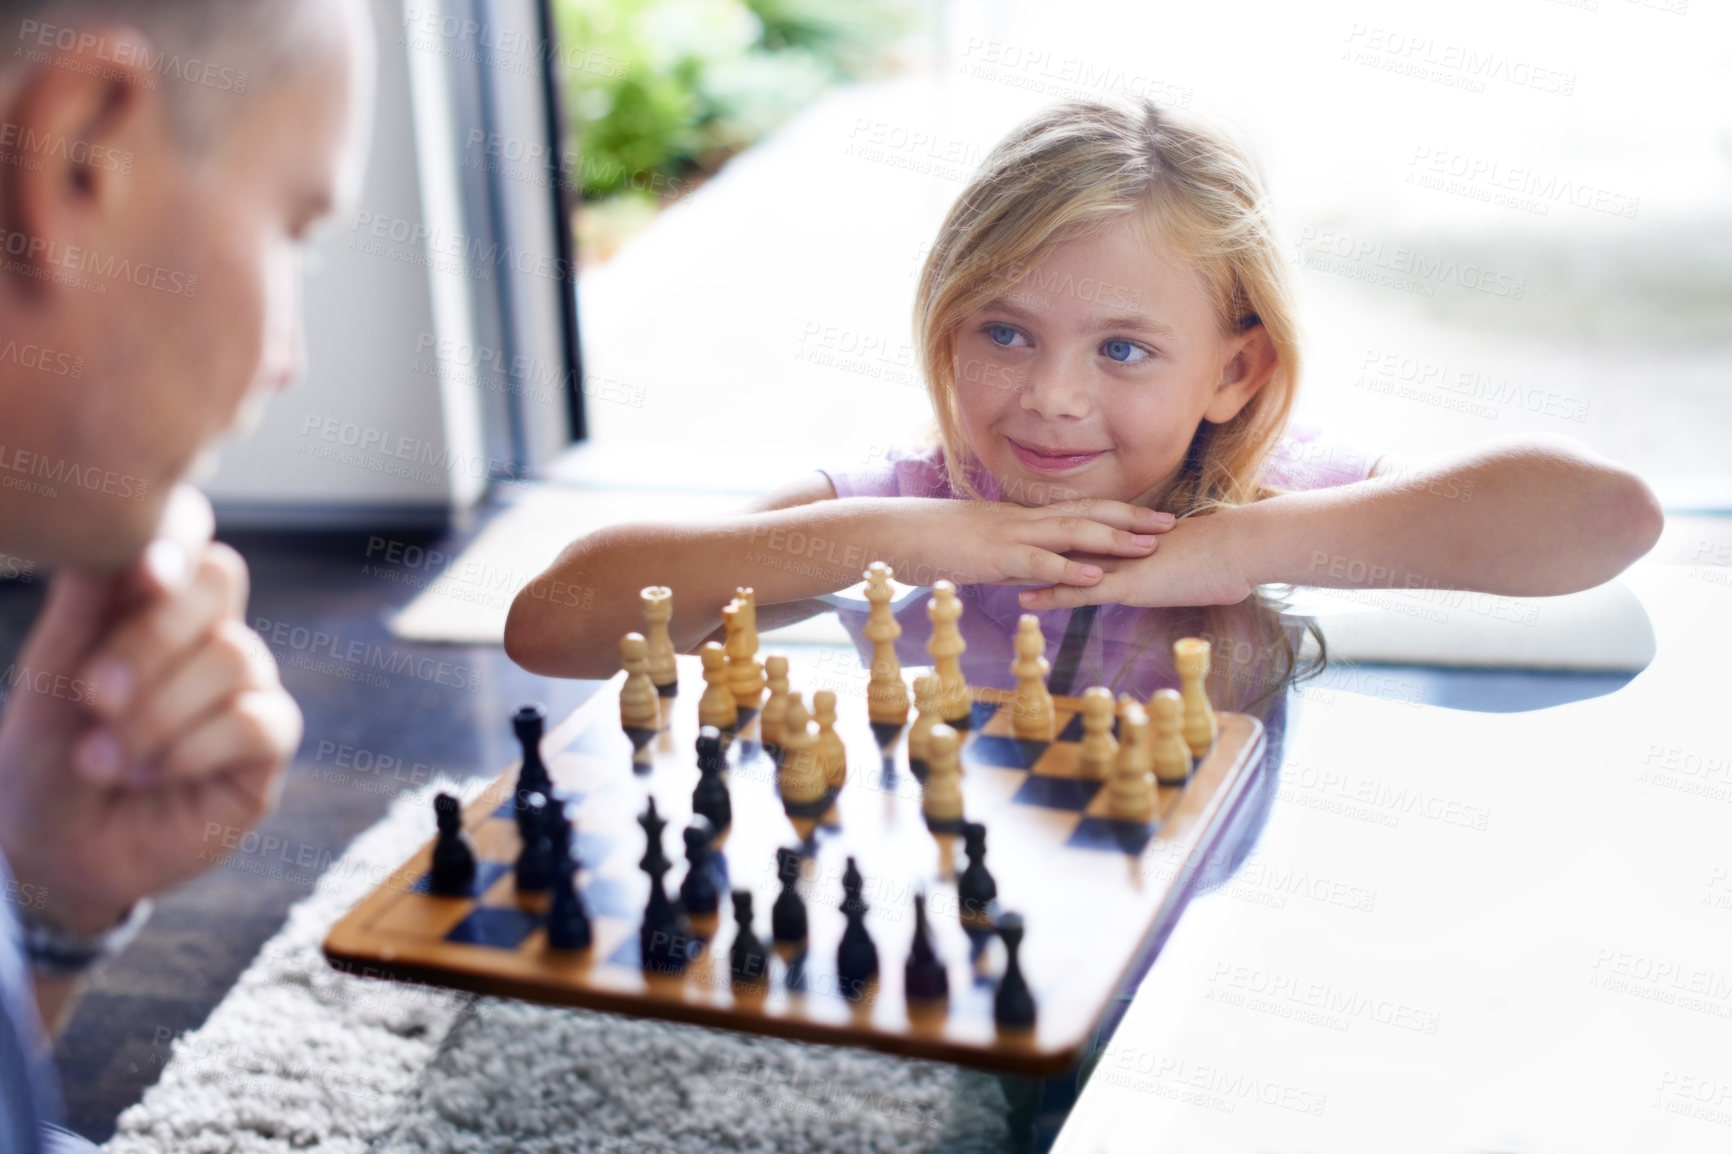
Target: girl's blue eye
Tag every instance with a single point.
(1002, 335)
(1124, 352)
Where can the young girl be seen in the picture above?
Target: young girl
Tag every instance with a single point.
(1106, 326)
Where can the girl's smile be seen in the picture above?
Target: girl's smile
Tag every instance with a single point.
(1045, 460)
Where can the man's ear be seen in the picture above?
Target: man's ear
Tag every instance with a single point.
(79, 119)
(1251, 361)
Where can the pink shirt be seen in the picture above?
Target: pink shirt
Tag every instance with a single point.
(1116, 653)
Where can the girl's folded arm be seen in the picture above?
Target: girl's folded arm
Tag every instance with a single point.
(1524, 515)
(768, 546)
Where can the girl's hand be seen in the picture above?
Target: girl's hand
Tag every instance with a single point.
(1200, 563)
(997, 542)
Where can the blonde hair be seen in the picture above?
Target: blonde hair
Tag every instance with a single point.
(1073, 169)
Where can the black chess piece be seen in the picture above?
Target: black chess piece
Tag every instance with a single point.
(856, 956)
(665, 936)
(788, 915)
(750, 958)
(1013, 1004)
(923, 975)
(454, 853)
(975, 889)
(710, 798)
(699, 893)
(537, 859)
(568, 925)
(528, 723)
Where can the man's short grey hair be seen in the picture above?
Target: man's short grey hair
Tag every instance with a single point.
(208, 58)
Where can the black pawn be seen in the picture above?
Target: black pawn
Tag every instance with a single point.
(856, 956)
(923, 975)
(567, 918)
(528, 723)
(1013, 1005)
(975, 889)
(537, 860)
(710, 798)
(454, 852)
(698, 892)
(788, 915)
(664, 938)
(750, 958)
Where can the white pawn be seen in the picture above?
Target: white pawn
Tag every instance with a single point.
(926, 691)
(776, 706)
(745, 675)
(1031, 715)
(1169, 756)
(1191, 660)
(1131, 792)
(943, 801)
(832, 754)
(1099, 747)
(639, 703)
(799, 780)
(716, 707)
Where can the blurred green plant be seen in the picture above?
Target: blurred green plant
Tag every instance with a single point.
(661, 92)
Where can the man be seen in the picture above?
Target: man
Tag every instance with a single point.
(161, 162)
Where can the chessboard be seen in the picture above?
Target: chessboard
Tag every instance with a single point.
(1095, 894)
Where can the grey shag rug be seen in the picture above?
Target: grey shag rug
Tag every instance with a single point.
(302, 1058)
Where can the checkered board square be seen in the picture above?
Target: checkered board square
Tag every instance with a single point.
(1093, 890)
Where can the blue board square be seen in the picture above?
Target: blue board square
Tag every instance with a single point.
(612, 898)
(495, 926)
(1106, 834)
(1057, 792)
(486, 873)
(982, 712)
(1073, 729)
(1003, 752)
(599, 737)
(630, 952)
(591, 848)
